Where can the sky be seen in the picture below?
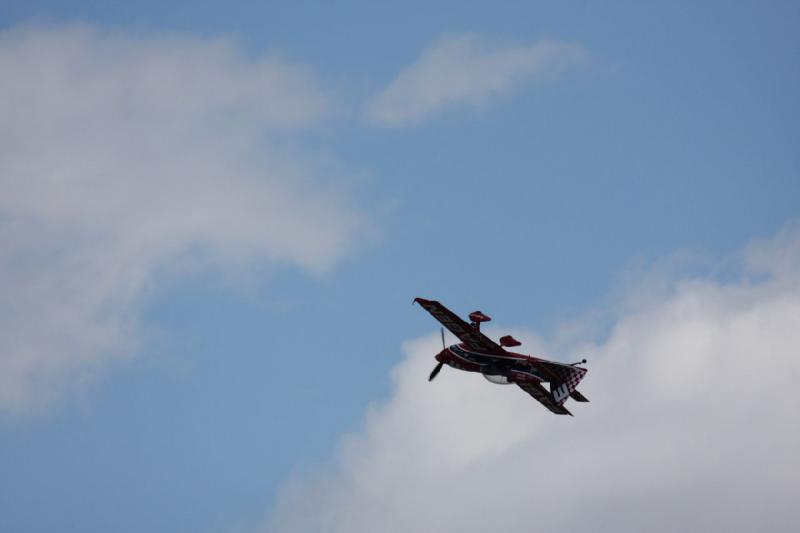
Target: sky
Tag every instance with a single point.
(214, 218)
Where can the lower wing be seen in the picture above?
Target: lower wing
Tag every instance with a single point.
(470, 336)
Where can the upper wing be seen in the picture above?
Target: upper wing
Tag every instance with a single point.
(564, 379)
(473, 338)
(539, 393)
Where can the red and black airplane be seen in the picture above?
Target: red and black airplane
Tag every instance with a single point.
(479, 353)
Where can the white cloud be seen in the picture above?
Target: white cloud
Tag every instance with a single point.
(123, 156)
(692, 426)
(465, 69)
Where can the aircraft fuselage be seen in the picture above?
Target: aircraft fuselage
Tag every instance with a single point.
(515, 367)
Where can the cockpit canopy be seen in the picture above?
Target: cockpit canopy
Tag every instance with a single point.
(497, 379)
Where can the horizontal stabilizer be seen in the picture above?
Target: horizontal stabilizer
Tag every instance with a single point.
(544, 398)
(578, 397)
(563, 378)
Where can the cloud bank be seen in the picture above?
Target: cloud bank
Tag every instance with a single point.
(123, 156)
(692, 426)
(465, 70)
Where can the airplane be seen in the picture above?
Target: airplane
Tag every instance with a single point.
(479, 353)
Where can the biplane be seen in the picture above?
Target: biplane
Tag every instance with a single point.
(478, 353)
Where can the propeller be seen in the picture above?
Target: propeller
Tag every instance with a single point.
(436, 370)
(438, 367)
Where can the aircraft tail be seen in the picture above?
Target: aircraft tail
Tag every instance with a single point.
(566, 383)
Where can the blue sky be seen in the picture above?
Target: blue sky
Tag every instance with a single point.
(208, 274)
